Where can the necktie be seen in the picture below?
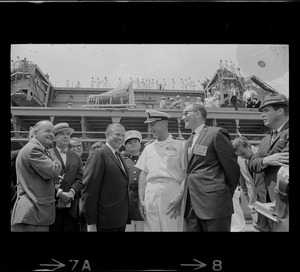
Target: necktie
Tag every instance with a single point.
(47, 152)
(248, 167)
(118, 158)
(274, 134)
(189, 149)
(64, 151)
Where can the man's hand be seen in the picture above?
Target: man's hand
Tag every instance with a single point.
(142, 209)
(65, 197)
(277, 159)
(174, 207)
(60, 204)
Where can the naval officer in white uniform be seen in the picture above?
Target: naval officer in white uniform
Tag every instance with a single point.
(161, 182)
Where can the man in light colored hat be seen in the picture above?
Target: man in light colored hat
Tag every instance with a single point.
(172, 105)
(69, 184)
(248, 92)
(162, 178)
(178, 102)
(187, 101)
(273, 151)
(132, 143)
(162, 103)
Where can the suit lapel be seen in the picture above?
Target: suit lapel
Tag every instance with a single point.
(112, 155)
(278, 134)
(200, 137)
(59, 157)
(125, 167)
(68, 158)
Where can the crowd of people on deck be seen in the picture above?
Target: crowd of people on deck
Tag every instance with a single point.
(213, 99)
(146, 83)
(170, 184)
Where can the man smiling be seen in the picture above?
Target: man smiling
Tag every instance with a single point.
(212, 174)
(161, 181)
(105, 197)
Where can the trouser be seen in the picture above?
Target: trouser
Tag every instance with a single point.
(233, 102)
(64, 222)
(119, 229)
(195, 224)
(27, 227)
(135, 226)
(237, 219)
(157, 198)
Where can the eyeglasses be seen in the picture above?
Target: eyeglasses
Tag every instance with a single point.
(186, 112)
(76, 146)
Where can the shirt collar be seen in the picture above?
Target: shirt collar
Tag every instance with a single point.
(59, 149)
(280, 128)
(38, 142)
(111, 148)
(198, 129)
(169, 139)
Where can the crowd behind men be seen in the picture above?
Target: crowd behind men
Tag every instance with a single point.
(146, 83)
(172, 185)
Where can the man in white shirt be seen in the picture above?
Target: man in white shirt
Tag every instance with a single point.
(248, 92)
(161, 182)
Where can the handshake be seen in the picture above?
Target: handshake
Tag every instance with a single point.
(65, 199)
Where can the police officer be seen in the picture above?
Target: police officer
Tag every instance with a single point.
(161, 182)
(132, 142)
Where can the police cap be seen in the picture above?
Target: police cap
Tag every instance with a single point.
(132, 134)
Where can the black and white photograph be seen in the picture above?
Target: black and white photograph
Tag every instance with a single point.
(126, 123)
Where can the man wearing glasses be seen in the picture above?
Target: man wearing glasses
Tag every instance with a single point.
(76, 146)
(212, 174)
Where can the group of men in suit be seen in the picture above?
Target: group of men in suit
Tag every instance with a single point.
(193, 180)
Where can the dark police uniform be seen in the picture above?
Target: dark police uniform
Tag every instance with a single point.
(134, 174)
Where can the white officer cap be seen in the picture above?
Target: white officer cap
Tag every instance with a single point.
(154, 115)
(132, 134)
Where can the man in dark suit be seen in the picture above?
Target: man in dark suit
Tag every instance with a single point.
(273, 151)
(212, 174)
(13, 176)
(105, 185)
(68, 186)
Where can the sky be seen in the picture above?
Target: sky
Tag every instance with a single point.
(81, 62)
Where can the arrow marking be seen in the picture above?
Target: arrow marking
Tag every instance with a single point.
(199, 264)
(58, 265)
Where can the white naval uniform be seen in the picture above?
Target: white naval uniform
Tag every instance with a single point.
(164, 161)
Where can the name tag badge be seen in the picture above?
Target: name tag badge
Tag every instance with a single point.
(171, 148)
(200, 150)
